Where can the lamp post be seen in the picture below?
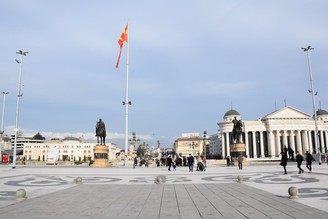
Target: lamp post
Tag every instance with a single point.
(204, 148)
(316, 139)
(3, 115)
(204, 143)
(19, 95)
(3, 110)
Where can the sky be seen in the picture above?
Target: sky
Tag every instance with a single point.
(190, 61)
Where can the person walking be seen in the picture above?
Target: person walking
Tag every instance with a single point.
(174, 163)
(240, 161)
(204, 162)
(191, 161)
(299, 160)
(135, 162)
(232, 162)
(309, 158)
(169, 162)
(283, 162)
(228, 161)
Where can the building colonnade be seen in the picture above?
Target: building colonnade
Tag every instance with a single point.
(261, 144)
(266, 137)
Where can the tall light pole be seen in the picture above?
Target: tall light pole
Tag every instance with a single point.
(316, 139)
(2, 118)
(19, 94)
(204, 142)
(204, 149)
(3, 110)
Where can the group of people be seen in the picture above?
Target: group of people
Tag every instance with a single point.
(299, 159)
(173, 162)
(201, 163)
(240, 159)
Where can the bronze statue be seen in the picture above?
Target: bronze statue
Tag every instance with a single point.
(237, 130)
(101, 132)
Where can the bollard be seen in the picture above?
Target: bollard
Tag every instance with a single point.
(20, 195)
(240, 178)
(78, 180)
(293, 192)
(158, 180)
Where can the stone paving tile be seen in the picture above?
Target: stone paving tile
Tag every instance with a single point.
(121, 192)
(159, 201)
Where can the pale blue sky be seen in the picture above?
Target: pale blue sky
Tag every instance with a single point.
(189, 60)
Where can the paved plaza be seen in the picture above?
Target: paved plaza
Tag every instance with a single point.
(155, 192)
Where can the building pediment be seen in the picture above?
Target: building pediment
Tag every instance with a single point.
(287, 113)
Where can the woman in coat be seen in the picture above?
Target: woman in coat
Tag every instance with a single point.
(284, 161)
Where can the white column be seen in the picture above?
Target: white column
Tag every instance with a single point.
(247, 143)
(285, 138)
(262, 144)
(306, 141)
(254, 145)
(322, 142)
(299, 142)
(223, 145)
(278, 146)
(228, 144)
(292, 142)
(271, 145)
(310, 142)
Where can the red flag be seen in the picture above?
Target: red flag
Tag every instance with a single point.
(123, 38)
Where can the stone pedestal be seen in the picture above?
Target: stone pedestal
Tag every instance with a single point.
(235, 150)
(100, 156)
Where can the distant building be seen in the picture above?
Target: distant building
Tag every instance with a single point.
(215, 149)
(189, 144)
(21, 140)
(266, 136)
(67, 149)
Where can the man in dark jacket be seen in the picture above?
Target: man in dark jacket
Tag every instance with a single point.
(191, 163)
(299, 160)
(169, 162)
(309, 158)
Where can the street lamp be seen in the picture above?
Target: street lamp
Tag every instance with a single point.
(3, 110)
(3, 115)
(316, 139)
(204, 143)
(20, 62)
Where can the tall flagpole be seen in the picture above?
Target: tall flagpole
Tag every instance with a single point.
(127, 103)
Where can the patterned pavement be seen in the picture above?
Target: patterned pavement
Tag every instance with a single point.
(40, 181)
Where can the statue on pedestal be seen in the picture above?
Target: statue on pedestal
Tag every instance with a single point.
(101, 132)
(237, 130)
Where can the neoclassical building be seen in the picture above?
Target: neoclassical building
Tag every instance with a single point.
(265, 137)
(190, 143)
(67, 149)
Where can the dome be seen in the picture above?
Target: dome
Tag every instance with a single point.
(71, 139)
(231, 112)
(322, 112)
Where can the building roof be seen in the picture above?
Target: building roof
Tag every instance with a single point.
(287, 112)
(321, 112)
(231, 112)
(71, 139)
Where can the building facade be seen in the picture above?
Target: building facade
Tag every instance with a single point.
(67, 149)
(265, 137)
(215, 149)
(189, 144)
